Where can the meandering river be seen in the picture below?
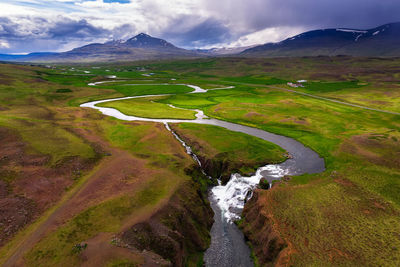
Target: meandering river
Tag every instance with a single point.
(228, 247)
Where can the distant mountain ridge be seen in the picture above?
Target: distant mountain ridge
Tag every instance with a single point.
(139, 47)
(380, 41)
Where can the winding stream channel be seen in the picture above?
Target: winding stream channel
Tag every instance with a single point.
(228, 247)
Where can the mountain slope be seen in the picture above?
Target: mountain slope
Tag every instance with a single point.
(380, 41)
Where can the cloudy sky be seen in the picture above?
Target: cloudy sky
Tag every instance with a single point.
(60, 25)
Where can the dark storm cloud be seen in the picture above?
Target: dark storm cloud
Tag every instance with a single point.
(43, 28)
(260, 14)
(74, 29)
(43, 35)
(9, 29)
(203, 33)
(229, 20)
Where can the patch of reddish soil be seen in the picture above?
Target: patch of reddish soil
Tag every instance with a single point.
(28, 185)
(15, 212)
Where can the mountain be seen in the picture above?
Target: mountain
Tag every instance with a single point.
(381, 41)
(140, 47)
(146, 41)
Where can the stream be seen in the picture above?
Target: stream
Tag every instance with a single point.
(228, 247)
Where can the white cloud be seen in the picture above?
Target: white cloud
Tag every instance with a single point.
(268, 35)
(4, 44)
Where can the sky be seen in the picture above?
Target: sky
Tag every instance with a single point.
(60, 25)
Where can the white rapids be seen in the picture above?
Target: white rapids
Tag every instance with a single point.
(232, 196)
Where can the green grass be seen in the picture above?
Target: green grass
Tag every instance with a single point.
(258, 79)
(66, 79)
(330, 86)
(133, 90)
(149, 108)
(142, 140)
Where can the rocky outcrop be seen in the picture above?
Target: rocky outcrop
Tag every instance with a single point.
(180, 231)
(218, 167)
(265, 240)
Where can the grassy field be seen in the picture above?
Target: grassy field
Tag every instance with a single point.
(131, 90)
(149, 108)
(348, 215)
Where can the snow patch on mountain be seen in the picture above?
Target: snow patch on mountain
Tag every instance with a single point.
(351, 30)
(358, 36)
